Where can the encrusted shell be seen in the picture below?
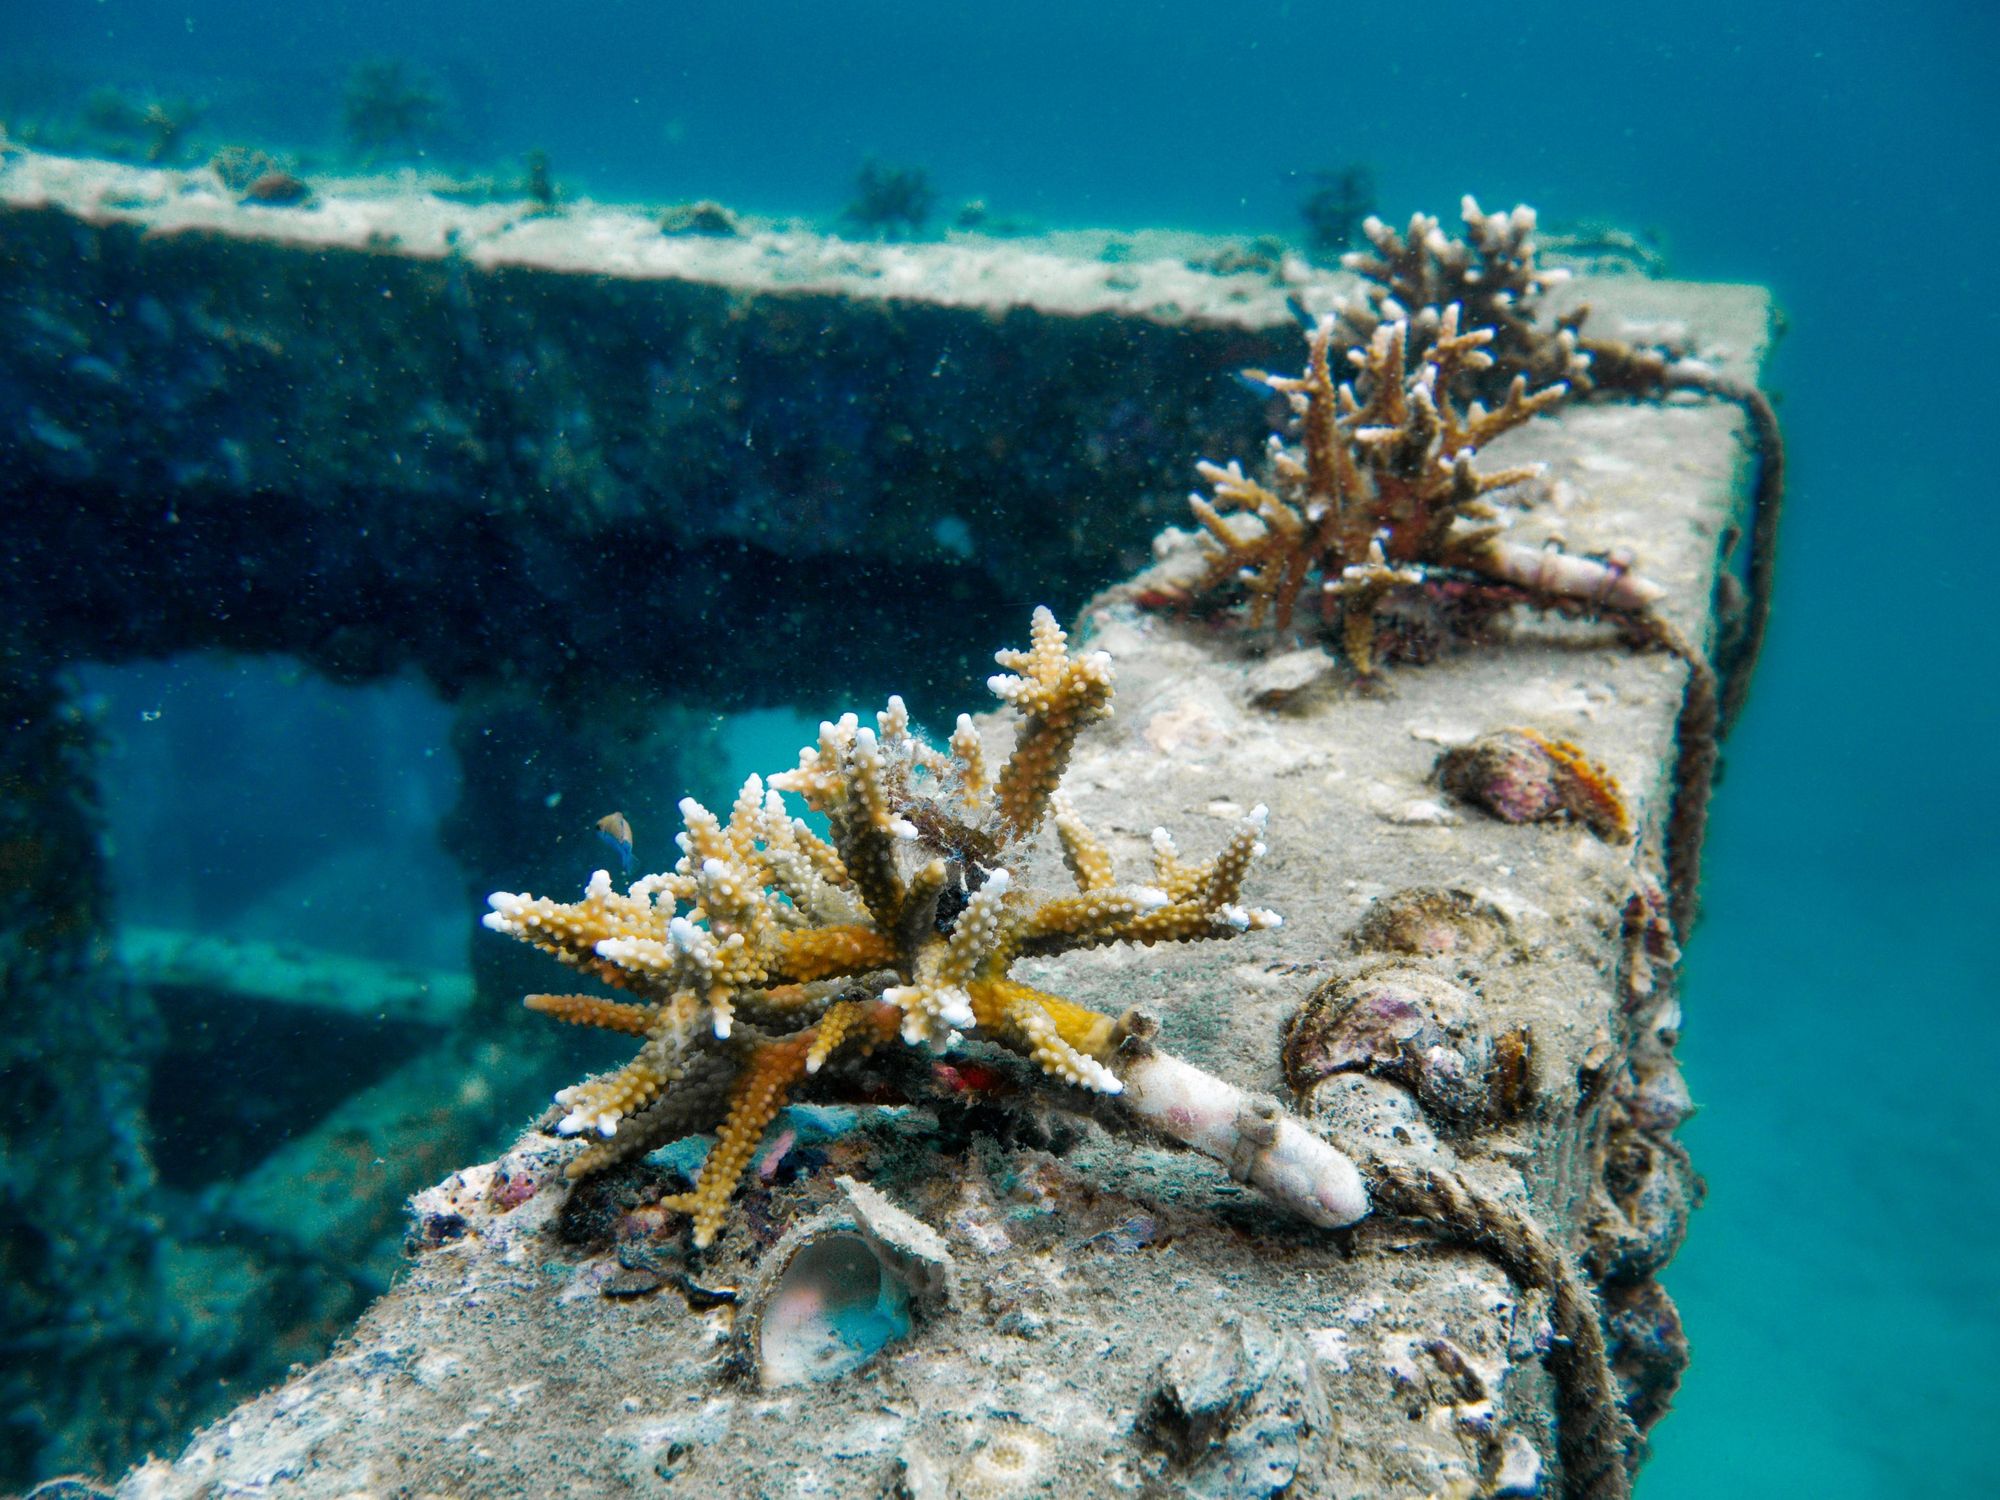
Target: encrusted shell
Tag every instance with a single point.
(1641, 1211)
(1429, 922)
(1521, 776)
(1286, 681)
(839, 1288)
(1401, 1023)
(1658, 1100)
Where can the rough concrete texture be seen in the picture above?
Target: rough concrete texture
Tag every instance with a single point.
(1115, 1317)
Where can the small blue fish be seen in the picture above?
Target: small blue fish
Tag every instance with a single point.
(616, 831)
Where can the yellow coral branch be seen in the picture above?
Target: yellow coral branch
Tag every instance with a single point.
(1057, 694)
(769, 955)
(595, 1010)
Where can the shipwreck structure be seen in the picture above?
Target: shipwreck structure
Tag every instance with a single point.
(587, 476)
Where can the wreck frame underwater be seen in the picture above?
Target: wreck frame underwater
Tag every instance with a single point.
(769, 949)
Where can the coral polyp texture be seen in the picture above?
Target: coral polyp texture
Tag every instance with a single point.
(1383, 491)
(1492, 275)
(1495, 279)
(770, 955)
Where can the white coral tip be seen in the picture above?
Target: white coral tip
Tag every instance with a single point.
(954, 1007)
(600, 886)
(1150, 898)
(1093, 1075)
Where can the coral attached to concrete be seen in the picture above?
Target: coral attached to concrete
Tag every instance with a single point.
(1336, 207)
(389, 109)
(890, 200)
(1383, 491)
(1495, 278)
(769, 952)
(1449, 349)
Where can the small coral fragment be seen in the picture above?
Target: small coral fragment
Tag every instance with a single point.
(769, 959)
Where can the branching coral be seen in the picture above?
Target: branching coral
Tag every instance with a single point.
(389, 109)
(1492, 276)
(1383, 490)
(1495, 278)
(769, 953)
(890, 199)
(1448, 348)
(153, 129)
(1339, 202)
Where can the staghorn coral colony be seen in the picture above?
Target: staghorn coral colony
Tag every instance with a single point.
(1384, 492)
(1440, 353)
(1445, 346)
(769, 953)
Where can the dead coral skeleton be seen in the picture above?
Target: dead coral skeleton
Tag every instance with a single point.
(768, 954)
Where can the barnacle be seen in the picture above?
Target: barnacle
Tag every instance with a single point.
(769, 954)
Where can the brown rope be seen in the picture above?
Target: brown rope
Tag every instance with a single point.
(1696, 730)
(1594, 1437)
(1767, 497)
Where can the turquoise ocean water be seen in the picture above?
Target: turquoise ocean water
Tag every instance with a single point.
(1842, 1286)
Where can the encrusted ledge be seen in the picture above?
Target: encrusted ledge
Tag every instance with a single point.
(1449, 992)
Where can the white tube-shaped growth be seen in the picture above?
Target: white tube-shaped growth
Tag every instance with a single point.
(1546, 571)
(1255, 1138)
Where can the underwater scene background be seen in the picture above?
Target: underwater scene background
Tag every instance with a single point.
(1841, 1287)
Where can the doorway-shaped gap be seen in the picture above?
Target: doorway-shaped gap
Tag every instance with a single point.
(257, 811)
